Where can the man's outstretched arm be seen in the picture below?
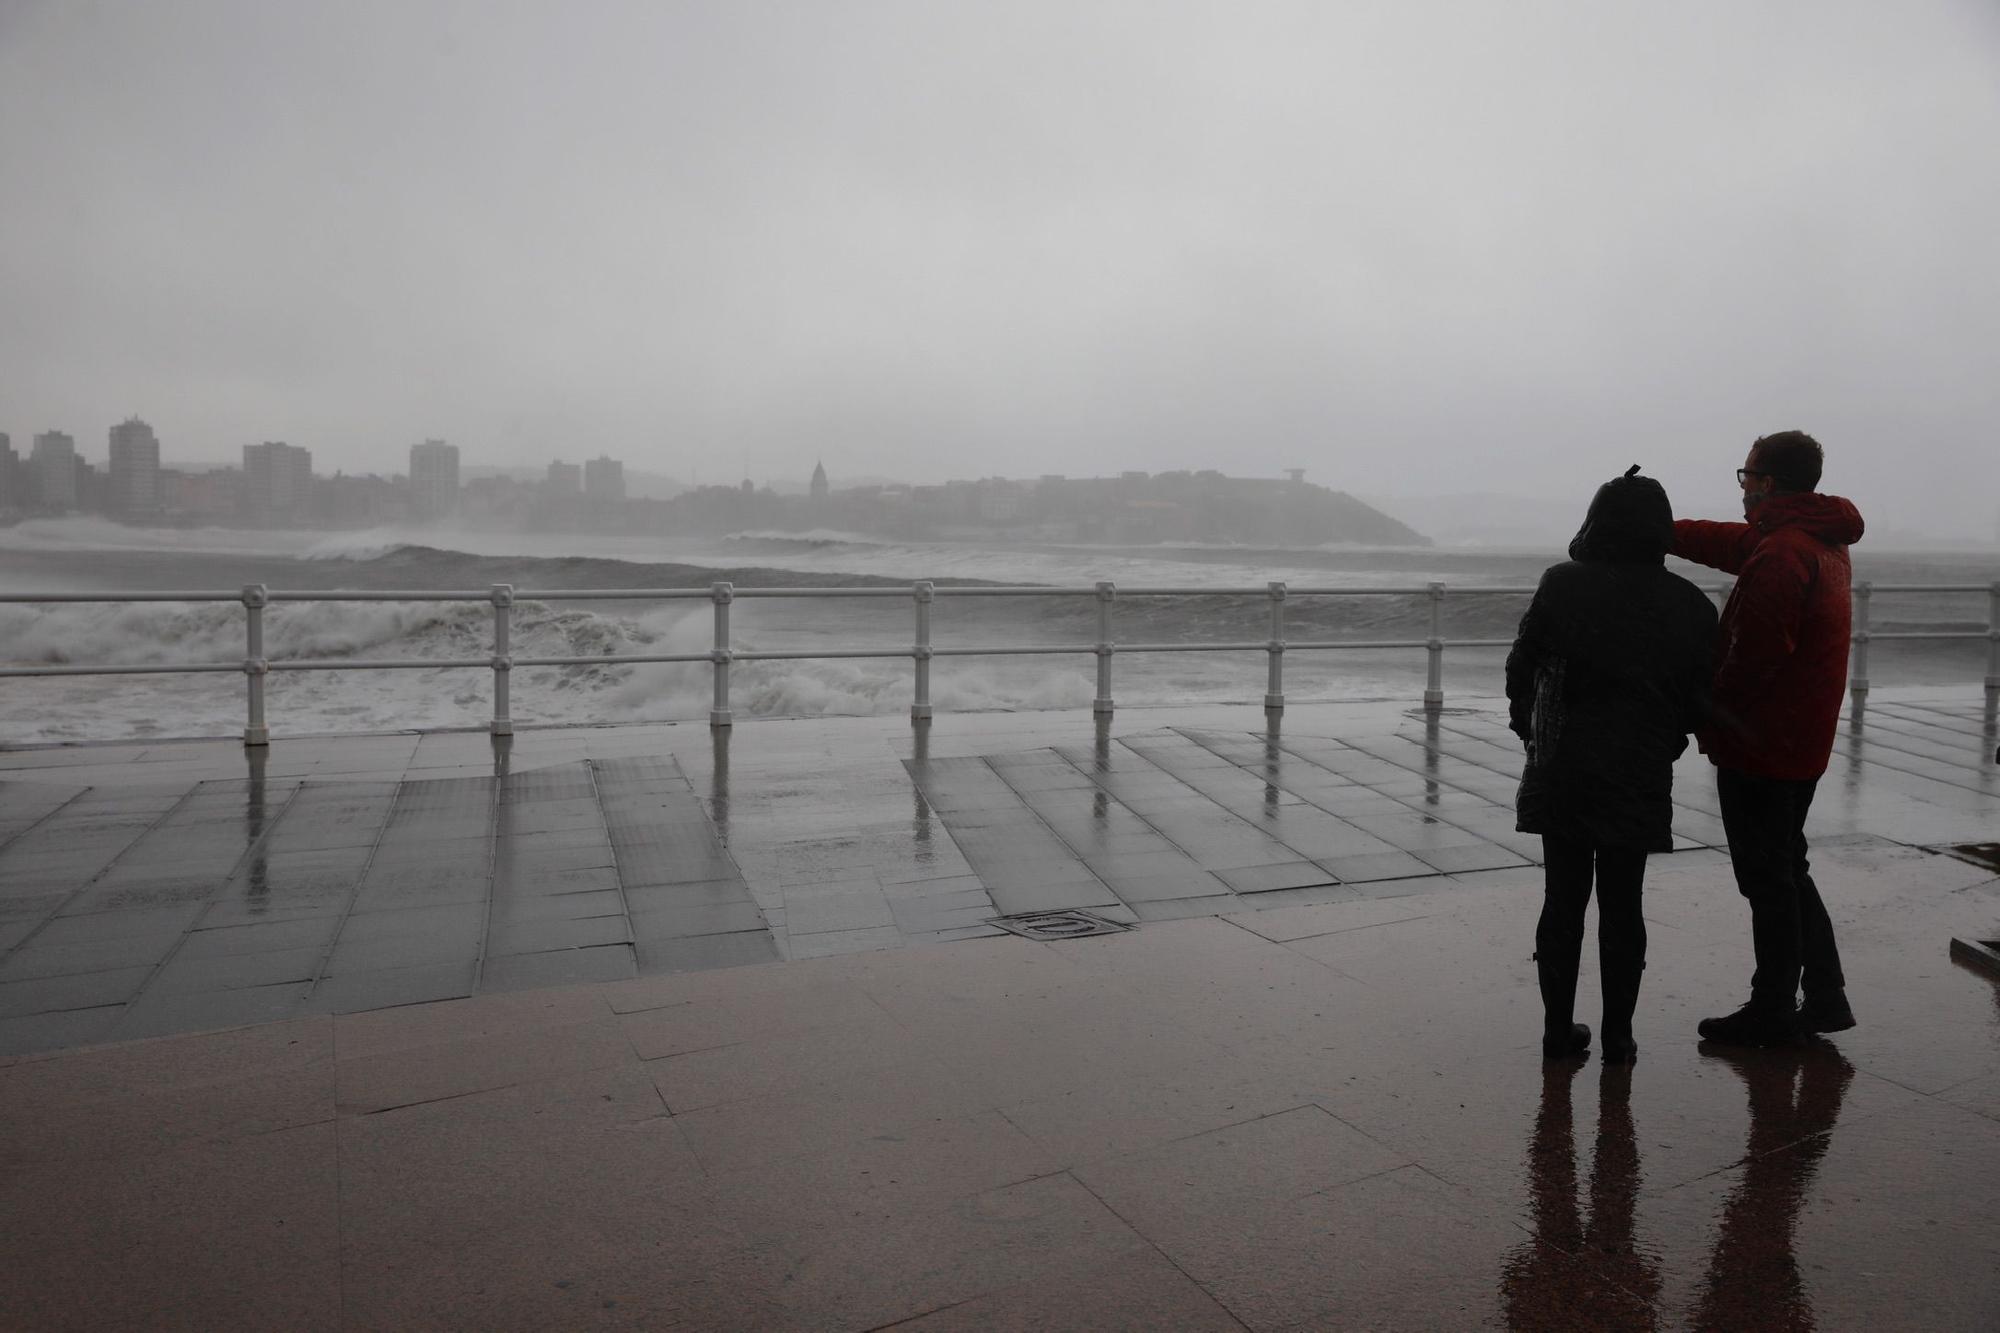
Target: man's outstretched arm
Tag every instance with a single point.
(1723, 546)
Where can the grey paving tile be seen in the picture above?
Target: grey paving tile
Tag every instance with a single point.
(712, 892)
(509, 909)
(700, 953)
(418, 888)
(159, 1014)
(1478, 856)
(38, 959)
(78, 991)
(145, 895)
(859, 910)
(526, 937)
(236, 971)
(248, 904)
(665, 923)
(1366, 868)
(359, 992)
(1264, 879)
(30, 1033)
(519, 882)
(561, 967)
(222, 941)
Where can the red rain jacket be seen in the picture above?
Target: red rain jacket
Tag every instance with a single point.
(1782, 657)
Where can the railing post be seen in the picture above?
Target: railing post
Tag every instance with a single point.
(1274, 686)
(1106, 592)
(1434, 647)
(1993, 653)
(724, 594)
(1857, 673)
(920, 707)
(503, 658)
(255, 598)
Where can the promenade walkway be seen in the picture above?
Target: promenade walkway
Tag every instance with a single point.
(654, 1027)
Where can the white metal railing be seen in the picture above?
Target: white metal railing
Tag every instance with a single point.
(255, 666)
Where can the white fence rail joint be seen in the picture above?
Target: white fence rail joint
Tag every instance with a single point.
(922, 594)
(1107, 592)
(255, 598)
(502, 597)
(1274, 684)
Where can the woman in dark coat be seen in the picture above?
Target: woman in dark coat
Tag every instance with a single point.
(1607, 677)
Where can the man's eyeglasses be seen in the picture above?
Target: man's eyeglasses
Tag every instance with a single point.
(1744, 474)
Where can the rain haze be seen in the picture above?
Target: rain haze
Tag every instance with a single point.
(1416, 249)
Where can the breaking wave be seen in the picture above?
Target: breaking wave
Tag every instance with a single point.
(317, 701)
(75, 554)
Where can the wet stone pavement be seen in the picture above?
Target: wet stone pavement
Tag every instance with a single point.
(659, 1027)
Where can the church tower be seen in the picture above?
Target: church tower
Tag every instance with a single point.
(819, 481)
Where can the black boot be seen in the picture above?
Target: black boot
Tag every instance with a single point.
(1826, 1012)
(1570, 1045)
(1755, 1024)
(1621, 998)
(1555, 969)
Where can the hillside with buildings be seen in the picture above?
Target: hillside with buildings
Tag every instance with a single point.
(1132, 508)
(277, 486)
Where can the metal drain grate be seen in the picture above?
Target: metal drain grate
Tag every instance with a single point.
(1068, 924)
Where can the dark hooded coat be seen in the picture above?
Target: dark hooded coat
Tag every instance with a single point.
(1608, 675)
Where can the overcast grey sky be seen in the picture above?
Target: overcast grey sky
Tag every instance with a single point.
(1410, 246)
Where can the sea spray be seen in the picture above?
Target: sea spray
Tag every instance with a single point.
(601, 691)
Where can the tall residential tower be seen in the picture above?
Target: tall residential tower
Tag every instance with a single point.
(276, 478)
(135, 469)
(433, 479)
(52, 471)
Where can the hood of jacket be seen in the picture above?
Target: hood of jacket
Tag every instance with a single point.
(1629, 522)
(1830, 518)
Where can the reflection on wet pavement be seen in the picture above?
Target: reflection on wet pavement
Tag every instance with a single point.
(166, 888)
(1753, 1272)
(1304, 1104)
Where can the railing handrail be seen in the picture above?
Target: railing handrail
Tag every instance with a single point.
(256, 666)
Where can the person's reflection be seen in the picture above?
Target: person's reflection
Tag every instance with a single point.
(1543, 1284)
(1614, 1190)
(1753, 1275)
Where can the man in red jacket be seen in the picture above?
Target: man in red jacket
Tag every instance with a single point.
(1782, 667)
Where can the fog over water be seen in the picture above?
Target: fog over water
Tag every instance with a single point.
(1419, 249)
(1465, 260)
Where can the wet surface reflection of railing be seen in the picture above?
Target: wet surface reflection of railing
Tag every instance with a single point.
(256, 666)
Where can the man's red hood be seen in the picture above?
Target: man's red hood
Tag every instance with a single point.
(1830, 518)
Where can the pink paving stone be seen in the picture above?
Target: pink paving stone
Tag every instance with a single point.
(1324, 1115)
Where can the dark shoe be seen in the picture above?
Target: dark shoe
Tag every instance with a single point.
(1752, 1025)
(1566, 1045)
(1826, 1013)
(1620, 1051)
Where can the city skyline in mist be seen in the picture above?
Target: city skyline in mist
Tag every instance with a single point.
(1417, 250)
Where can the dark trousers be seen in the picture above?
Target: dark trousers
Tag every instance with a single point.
(1765, 819)
(1568, 869)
